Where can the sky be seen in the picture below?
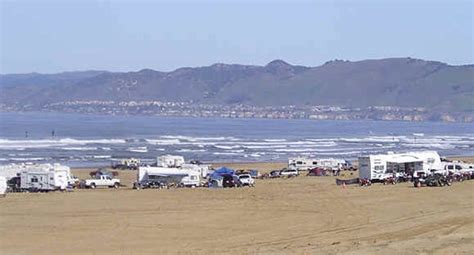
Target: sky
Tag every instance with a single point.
(56, 36)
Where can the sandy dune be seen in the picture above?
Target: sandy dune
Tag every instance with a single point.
(304, 215)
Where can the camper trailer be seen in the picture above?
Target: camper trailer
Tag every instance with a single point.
(301, 163)
(37, 176)
(127, 164)
(150, 176)
(44, 177)
(169, 161)
(13, 170)
(382, 166)
(202, 169)
(3, 186)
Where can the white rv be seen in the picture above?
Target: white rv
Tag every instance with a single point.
(458, 167)
(45, 177)
(3, 186)
(203, 170)
(169, 161)
(302, 163)
(148, 175)
(381, 166)
(13, 170)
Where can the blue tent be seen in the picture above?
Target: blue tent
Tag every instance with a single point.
(221, 171)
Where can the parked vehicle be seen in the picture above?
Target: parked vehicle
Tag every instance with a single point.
(365, 182)
(158, 177)
(102, 181)
(43, 179)
(247, 180)
(289, 172)
(390, 180)
(36, 177)
(380, 166)
(169, 161)
(436, 180)
(230, 181)
(127, 164)
(14, 184)
(275, 174)
(191, 180)
(3, 186)
(318, 171)
(303, 163)
(152, 182)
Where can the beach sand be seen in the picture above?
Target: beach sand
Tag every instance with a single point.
(303, 215)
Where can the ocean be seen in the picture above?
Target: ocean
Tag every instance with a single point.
(97, 140)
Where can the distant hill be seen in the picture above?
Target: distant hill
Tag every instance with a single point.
(403, 82)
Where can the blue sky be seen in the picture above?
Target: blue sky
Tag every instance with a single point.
(55, 36)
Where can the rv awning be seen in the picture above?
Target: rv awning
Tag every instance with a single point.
(402, 160)
(168, 175)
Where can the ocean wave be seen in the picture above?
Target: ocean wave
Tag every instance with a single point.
(374, 139)
(163, 141)
(196, 139)
(29, 159)
(79, 148)
(430, 146)
(226, 153)
(138, 149)
(191, 150)
(102, 156)
(274, 140)
(224, 147)
(45, 143)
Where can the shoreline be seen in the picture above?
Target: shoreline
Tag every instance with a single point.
(446, 120)
(260, 164)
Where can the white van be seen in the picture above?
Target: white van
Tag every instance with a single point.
(191, 180)
(289, 172)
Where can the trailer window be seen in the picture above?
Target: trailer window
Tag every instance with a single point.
(381, 167)
(458, 167)
(299, 162)
(34, 179)
(315, 162)
(450, 167)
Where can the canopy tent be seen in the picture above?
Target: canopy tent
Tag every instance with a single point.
(221, 171)
(404, 163)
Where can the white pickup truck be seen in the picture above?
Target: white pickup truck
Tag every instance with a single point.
(246, 180)
(103, 180)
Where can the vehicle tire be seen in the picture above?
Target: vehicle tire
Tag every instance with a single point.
(116, 185)
(93, 186)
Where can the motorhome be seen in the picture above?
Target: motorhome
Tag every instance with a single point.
(302, 163)
(381, 166)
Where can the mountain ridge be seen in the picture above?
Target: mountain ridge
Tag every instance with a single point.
(401, 82)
